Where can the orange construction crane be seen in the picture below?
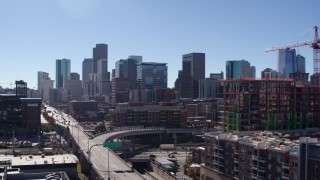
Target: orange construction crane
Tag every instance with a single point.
(314, 44)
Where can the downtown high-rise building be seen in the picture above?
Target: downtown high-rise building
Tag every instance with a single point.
(287, 62)
(269, 73)
(239, 69)
(151, 75)
(103, 77)
(87, 69)
(74, 76)
(42, 76)
(301, 63)
(99, 52)
(127, 68)
(63, 67)
(193, 70)
(211, 87)
(44, 85)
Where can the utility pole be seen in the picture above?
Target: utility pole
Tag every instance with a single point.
(13, 152)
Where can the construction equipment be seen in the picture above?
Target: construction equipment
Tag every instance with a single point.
(314, 44)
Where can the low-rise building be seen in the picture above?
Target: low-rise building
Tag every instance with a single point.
(42, 163)
(165, 115)
(82, 107)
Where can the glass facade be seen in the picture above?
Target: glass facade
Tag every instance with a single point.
(287, 62)
(152, 75)
(63, 67)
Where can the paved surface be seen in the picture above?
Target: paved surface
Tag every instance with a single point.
(98, 154)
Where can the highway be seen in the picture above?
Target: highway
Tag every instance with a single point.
(98, 154)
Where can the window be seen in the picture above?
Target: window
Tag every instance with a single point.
(279, 158)
(278, 169)
(294, 163)
(269, 166)
(269, 176)
(315, 168)
(269, 156)
(295, 175)
(243, 150)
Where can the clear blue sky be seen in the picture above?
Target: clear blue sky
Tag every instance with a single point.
(34, 33)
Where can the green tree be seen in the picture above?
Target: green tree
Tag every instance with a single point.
(47, 127)
(101, 127)
(109, 116)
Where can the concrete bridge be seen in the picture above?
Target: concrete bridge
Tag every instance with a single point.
(99, 162)
(134, 131)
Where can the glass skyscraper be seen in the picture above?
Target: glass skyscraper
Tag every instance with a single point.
(63, 67)
(239, 68)
(152, 75)
(287, 62)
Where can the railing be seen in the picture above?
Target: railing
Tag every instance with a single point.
(285, 165)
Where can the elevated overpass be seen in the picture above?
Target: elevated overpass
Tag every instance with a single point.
(99, 158)
(134, 131)
(96, 164)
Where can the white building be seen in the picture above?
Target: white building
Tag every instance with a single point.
(45, 85)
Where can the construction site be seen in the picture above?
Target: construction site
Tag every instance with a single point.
(269, 104)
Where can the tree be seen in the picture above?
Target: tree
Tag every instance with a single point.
(100, 128)
(47, 127)
(109, 116)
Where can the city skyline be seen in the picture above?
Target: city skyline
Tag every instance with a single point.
(160, 32)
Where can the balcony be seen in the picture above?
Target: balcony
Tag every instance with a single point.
(254, 176)
(285, 165)
(285, 176)
(259, 159)
(261, 169)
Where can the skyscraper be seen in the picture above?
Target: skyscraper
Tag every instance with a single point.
(74, 76)
(99, 52)
(103, 77)
(287, 62)
(42, 76)
(269, 73)
(239, 68)
(193, 70)
(127, 68)
(211, 87)
(63, 67)
(152, 75)
(87, 68)
(301, 63)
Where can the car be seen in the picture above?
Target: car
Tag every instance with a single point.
(174, 152)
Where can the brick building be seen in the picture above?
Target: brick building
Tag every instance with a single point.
(165, 115)
(263, 155)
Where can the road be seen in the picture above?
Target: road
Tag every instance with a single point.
(98, 154)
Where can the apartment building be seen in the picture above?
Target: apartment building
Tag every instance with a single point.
(261, 155)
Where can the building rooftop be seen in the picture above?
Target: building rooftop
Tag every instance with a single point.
(284, 141)
(39, 160)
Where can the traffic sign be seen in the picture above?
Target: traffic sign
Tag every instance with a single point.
(112, 144)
